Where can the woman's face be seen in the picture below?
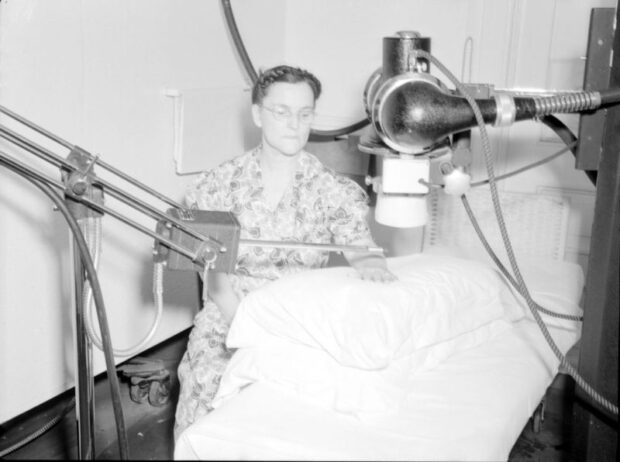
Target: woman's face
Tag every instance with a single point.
(285, 116)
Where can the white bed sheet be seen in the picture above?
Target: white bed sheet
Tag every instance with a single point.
(473, 406)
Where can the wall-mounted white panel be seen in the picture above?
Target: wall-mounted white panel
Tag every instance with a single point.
(210, 125)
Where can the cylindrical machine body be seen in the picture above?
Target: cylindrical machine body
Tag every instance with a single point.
(412, 113)
(398, 59)
(397, 54)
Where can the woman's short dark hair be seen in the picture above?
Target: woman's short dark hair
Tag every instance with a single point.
(287, 74)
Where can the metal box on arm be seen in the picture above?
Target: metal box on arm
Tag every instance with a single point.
(222, 228)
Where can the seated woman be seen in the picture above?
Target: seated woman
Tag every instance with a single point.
(277, 191)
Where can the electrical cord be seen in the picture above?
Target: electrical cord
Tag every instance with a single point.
(92, 278)
(526, 167)
(92, 229)
(485, 243)
(40, 432)
(315, 135)
(501, 266)
(504, 176)
(566, 135)
(604, 403)
(610, 96)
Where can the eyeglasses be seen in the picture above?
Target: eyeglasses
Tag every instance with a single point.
(282, 113)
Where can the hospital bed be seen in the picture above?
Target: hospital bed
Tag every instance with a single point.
(457, 381)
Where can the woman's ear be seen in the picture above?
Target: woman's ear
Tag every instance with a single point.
(256, 115)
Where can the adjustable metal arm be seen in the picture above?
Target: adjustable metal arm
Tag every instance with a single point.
(177, 240)
(85, 176)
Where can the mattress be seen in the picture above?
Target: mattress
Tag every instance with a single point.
(473, 406)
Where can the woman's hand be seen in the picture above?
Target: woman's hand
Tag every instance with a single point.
(370, 266)
(376, 274)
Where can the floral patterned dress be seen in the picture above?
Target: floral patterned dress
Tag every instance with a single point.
(319, 206)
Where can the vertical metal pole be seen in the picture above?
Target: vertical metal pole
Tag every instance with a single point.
(84, 383)
(79, 183)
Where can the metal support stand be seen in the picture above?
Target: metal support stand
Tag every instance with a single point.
(79, 183)
(84, 382)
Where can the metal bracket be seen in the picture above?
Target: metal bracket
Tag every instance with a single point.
(597, 75)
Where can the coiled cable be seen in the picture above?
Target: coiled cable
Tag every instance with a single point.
(91, 275)
(597, 397)
(566, 103)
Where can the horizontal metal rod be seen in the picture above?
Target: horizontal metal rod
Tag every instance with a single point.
(34, 148)
(16, 165)
(154, 213)
(311, 245)
(123, 196)
(35, 127)
(98, 160)
(110, 189)
(137, 183)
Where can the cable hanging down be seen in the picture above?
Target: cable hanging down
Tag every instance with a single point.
(91, 228)
(91, 275)
(604, 403)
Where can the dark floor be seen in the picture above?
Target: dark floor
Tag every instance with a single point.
(149, 428)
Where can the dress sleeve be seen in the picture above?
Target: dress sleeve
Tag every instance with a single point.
(205, 193)
(348, 213)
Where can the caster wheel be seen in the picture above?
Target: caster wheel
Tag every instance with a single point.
(538, 418)
(138, 393)
(159, 393)
(536, 423)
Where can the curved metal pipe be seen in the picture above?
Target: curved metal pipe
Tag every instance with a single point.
(566, 135)
(315, 135)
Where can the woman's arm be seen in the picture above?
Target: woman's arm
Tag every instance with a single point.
(222, 293)
(370, 266)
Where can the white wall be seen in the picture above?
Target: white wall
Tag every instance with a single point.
(94, 72)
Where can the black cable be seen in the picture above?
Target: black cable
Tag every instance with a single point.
(234, 31)
(329, 135)
(610, 96)
(93, 279)
(503, 269)
(566, 135)
(525, 168)
(40, 432)
(315, 135)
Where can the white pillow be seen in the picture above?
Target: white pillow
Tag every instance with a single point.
(555, 285)
(366, 324)
(313, 375)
